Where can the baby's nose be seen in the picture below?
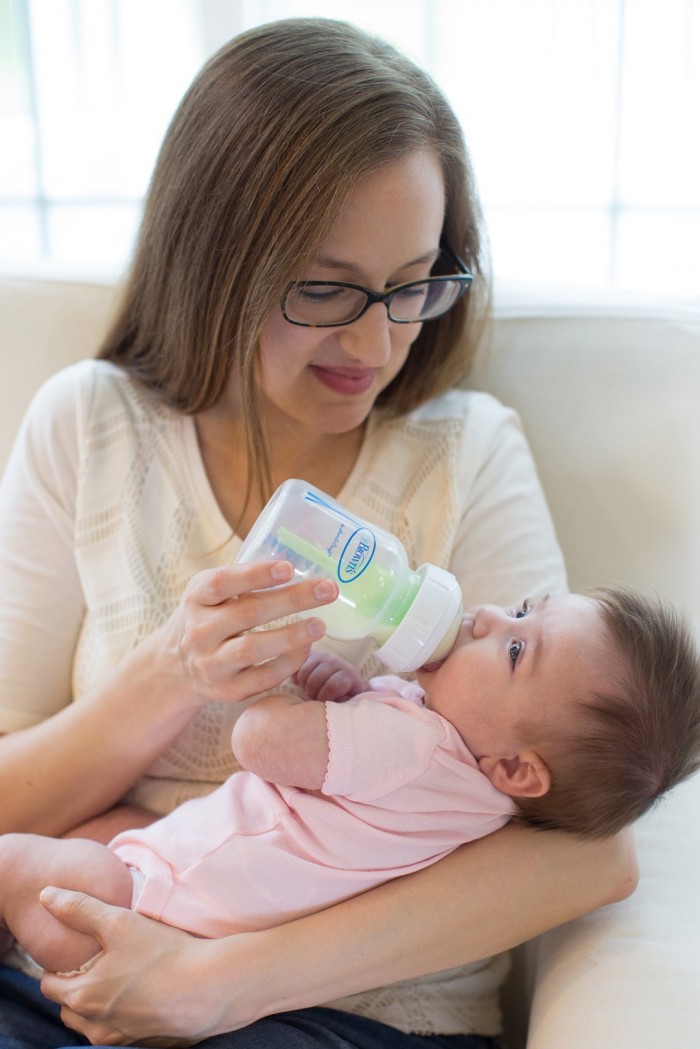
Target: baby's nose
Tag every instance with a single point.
(486, 617)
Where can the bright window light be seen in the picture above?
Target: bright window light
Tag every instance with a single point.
(582, 117)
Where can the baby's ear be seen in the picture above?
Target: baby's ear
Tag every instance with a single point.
(522, 776)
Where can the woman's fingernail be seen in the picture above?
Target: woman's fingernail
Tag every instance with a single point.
(324, 589)
(281, 571)
(48, 895)
(315, 629)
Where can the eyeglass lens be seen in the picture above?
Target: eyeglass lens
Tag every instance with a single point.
(328, 304)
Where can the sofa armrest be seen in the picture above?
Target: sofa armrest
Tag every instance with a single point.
(628, 975)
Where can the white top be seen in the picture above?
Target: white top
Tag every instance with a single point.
(108, 485)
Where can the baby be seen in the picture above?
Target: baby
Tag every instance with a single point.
(573, 713)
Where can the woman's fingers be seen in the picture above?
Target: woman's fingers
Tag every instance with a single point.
(86, 1005)
(217, 669)
(261, 677)
(223, 601)
(212, 640)
(215, 585)
(112, 1000)
(261, 586)
(78, 911)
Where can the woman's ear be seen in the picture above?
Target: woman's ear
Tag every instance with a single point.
(523, 776)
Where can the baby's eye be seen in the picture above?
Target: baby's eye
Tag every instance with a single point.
(522, 611)
(514, 650)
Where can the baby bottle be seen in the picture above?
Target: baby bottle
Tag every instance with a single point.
(412, 616)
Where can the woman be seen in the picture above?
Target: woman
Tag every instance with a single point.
(309, 172)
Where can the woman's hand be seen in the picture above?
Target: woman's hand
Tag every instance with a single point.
(208, 649)
(141, 988)
(108, 740)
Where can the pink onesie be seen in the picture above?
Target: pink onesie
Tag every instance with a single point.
(401, 791)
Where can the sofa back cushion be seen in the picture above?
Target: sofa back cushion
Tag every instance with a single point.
(44, 325)
(608, 386)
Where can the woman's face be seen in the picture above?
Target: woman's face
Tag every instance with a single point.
(321, 381)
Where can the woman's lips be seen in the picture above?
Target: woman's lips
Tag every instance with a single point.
(345, 380)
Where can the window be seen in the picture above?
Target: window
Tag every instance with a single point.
(582, 117)
(88, 87)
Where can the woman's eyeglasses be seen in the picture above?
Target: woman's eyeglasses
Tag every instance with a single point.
(330, 304)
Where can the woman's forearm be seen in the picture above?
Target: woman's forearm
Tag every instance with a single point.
(486, 897)
(82, 761)
(482, 899)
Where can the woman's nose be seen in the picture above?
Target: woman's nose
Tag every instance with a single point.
(368, 339)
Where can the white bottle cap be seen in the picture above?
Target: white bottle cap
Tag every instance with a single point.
(430, 626)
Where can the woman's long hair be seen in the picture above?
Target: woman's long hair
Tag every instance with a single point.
(274, 133)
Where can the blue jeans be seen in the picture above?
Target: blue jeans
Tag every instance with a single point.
(30, 1021)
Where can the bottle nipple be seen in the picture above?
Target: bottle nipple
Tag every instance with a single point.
(430, 626)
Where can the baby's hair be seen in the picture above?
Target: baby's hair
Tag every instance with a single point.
(632, 744)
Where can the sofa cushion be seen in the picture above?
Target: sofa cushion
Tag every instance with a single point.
(608, 387)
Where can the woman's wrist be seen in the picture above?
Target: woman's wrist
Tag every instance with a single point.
(154, 670)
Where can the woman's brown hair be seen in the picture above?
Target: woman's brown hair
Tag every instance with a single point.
(268, 142)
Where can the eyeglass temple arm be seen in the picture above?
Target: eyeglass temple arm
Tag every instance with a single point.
(454, 257)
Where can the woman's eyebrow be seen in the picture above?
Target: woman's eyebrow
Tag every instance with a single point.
(332, 263)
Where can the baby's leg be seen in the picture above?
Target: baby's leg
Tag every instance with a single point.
(28, 863)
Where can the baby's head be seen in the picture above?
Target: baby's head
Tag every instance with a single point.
(633, 740)
(584, 708)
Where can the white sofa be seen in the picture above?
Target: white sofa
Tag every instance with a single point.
(609, 390)
(608, 386)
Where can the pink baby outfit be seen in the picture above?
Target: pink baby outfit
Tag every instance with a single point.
(401, 791)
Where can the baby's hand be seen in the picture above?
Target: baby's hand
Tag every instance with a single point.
(328, 678)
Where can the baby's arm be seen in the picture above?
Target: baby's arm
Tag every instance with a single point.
(284, 740)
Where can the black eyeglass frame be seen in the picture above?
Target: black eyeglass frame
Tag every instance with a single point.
(464, 277)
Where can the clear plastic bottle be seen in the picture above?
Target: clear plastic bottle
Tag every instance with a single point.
(412, 616)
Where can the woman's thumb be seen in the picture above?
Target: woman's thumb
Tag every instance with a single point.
(77, 910)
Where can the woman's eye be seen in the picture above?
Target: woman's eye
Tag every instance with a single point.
(319, 294)
(514, 650)
(414, 291)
